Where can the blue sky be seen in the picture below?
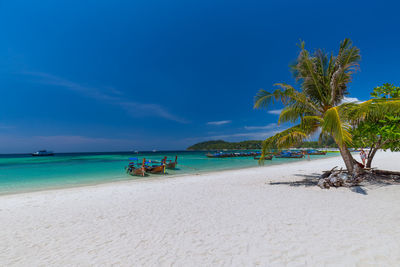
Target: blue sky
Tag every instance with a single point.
(142, 75)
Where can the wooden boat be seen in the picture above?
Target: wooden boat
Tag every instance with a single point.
(316, 152)
(288, 155)
(266, 157)
(171, 164)
(158, 169)
(232, 155)
(139, 169)
(136, 170)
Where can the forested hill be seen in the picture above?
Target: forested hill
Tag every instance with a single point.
(220, 144)
(252, 144)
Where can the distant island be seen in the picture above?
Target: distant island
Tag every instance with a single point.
(221, 144)
(253, 144)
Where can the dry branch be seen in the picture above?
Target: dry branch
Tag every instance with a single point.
(337, 178)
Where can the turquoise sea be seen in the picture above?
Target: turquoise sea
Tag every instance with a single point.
(24, 173)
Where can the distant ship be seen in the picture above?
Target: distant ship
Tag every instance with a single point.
(42, 153)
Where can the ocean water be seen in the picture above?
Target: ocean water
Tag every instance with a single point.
(24, 173)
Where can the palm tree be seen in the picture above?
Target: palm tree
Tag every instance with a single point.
(318, 106)
(323, 80)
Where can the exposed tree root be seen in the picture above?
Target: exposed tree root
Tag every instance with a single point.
(338, 178)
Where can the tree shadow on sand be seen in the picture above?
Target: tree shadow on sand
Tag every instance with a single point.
(309, 180)
(312, 180)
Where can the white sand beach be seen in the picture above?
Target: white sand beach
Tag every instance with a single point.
(266, 216)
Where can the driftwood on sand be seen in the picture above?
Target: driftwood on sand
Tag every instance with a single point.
(337, 178)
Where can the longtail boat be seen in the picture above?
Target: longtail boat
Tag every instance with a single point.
(171, 164)
(232, 155)
(215, 155)
(289, 155)
(266, 157)
(155, 169)
(136, 170)
(315, 152)
(139, 169)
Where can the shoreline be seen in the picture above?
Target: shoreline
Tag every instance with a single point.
(154, 177)
(253, 216)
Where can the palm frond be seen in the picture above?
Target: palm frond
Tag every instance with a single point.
(288, 96)
(309, 120)
(290, 114)
(333, 125)
(289, 137)
(264, 98)
(373, 109)
(292, 138)
(346, 63)
(323, 137)
(306, 70)
(272, 141)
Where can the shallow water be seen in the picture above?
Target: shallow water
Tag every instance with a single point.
(22, 173)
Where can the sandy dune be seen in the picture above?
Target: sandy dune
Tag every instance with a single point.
(260, 216)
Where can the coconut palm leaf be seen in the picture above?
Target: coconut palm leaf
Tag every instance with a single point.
(283, 139)
(290, 114)
(310, 120)
(373, 109)
(289, 137)
(334, 125)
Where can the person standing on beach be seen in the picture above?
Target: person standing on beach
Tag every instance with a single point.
(363, 156)
(308, 155)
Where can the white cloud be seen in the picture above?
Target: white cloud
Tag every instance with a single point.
(268, 126)
(218, 122)
(350, 99)
(275, 111)
(113, 96)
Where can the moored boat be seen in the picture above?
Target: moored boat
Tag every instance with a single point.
(289, 155)
(149, 166)
(136, 170)
(43, 153)
(169, 164)
(215, 155)
(266, 157)
(315, 152)
(157, 169)
(232, 155)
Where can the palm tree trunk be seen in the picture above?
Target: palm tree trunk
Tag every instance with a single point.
(347, 158)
